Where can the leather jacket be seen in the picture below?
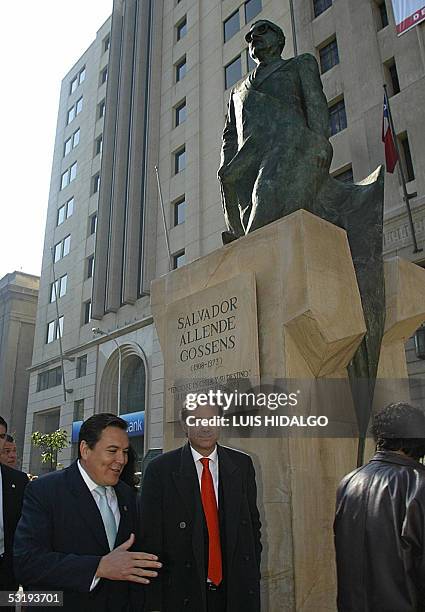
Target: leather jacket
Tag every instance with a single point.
(380, 536)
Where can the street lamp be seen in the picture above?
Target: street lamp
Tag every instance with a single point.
(99, 332)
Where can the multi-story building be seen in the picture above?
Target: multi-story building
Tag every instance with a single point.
(18, 307)
(151, 91)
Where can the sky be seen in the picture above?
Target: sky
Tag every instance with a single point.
(39, 43)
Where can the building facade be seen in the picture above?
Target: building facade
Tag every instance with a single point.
(151, 91)
(18, 307)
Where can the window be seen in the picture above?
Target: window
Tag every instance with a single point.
(233, 72)
(180, 69)
(95, 183)
(252, 8)
(69, 175)
(69, 208)
(81, 368)
(252, 65)
(106, 43)
(320, 6)
(77, 80)
(59, 328)
(62, 248)
(382, 15)
(346, 176)
(179, 208)
(73, 85)
(92, 224)
(90, 266)
(49, 378)
(101, 109)
(66, 245)
(54, 330)
(61, 285)
(180, 113)
(180, 160)
(71, 142)
(179, 259)
(406, 157)
(79, 409)
(104, 75)
(50, 336)
(87, 312)
(181, 29)
(231, 26)
(337, 116)
(328, 55)
(65, 211)
(74, 110)
(392, 77)
(67, 146)
(98, 145)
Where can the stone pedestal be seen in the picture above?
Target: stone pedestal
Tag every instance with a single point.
(296, 314)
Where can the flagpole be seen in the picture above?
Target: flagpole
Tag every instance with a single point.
(406, 196)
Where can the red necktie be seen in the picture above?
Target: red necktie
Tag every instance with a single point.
(209, 503)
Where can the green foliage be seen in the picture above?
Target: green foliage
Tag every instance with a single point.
(51, 444)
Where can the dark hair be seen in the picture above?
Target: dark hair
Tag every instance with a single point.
(128, 475)
(400, 427)
(91, 430)
(9, 438)
(3, 422)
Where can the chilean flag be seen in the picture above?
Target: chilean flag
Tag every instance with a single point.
(391, 157)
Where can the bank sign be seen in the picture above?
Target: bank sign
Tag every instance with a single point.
(135, 420)
(408, 13)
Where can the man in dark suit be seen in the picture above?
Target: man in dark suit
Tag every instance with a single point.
(199, 515)
(13, 483)
(78, 527)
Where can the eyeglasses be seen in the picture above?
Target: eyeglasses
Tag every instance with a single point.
(261, 28)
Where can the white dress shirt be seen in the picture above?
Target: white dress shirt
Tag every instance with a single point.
(111, 496)
(213, 465)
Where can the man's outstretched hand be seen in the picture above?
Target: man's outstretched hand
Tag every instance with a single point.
(122, 564)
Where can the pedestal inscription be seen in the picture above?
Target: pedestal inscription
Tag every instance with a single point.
(212, 338)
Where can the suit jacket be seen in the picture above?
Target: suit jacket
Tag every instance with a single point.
(61, 538)
(277, 123)
(14, 483)
(173, 527)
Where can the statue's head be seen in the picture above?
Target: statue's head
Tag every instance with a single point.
(266, 40)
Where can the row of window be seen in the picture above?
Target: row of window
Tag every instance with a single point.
(71, 142)
(54, 329)
(77, 80)
(69, 175)
(74, 110)
(53, 377)
(380, 8)
(232, 24)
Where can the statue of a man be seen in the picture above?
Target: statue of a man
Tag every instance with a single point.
(275, 159)
(276, 153)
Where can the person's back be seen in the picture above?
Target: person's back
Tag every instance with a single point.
(379, 536)
(380, 520)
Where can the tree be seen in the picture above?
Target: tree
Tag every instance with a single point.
(51, 444)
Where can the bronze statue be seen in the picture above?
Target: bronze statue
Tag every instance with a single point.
(275, 159)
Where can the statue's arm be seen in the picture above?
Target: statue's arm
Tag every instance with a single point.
(315, 104)
(229, 146)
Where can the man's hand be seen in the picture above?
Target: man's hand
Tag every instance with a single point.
(121, 564)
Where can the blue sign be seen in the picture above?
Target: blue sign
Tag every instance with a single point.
(135, 420)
